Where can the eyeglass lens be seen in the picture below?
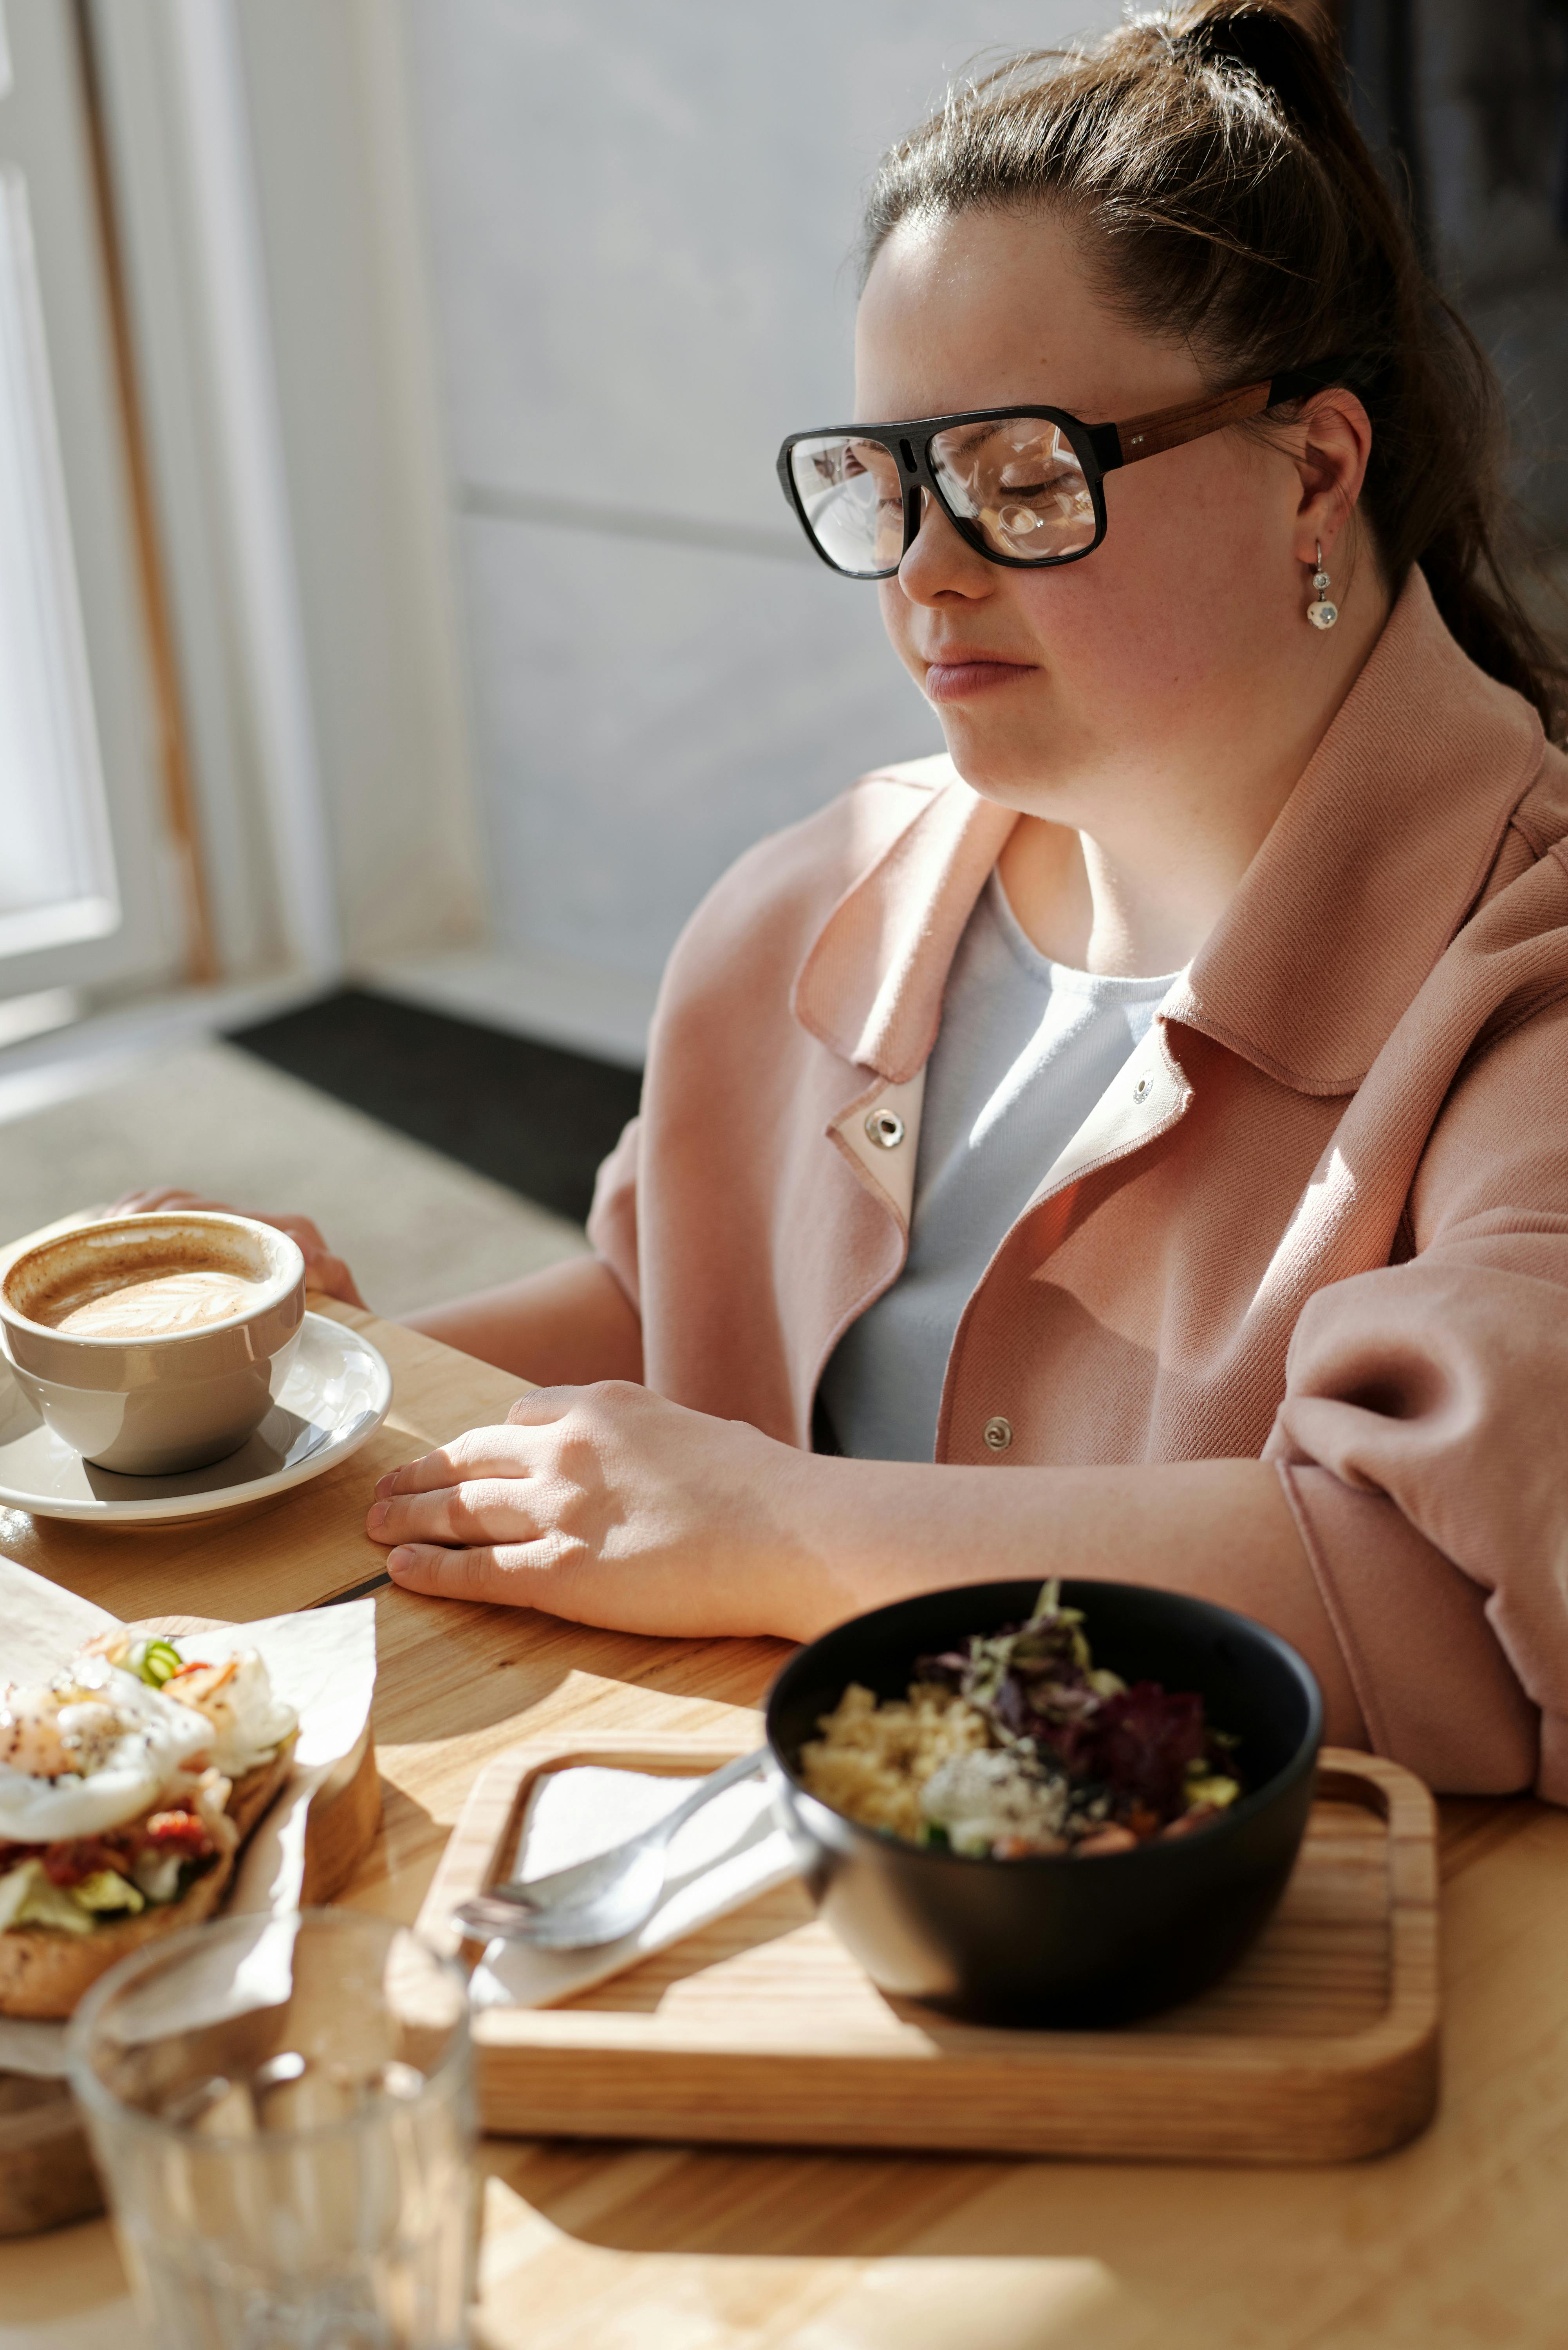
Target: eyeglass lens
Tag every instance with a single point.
(1016, 477)
(853, 501)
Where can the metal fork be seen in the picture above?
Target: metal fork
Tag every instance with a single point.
(595, 1900)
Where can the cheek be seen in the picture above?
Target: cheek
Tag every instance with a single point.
(1169, 599)
(898, 619)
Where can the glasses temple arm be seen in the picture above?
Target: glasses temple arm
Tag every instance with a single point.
(1168, 428)
(1136, 437)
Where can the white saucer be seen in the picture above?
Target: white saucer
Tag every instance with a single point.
(337, 1393)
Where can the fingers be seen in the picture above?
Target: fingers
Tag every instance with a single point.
(307, 1237)
(487, 1510)
(506, 1575)
(499, 1507)
(477, 1452)
(475, 1491)
(498, 1452)
(480, 1573)
(329, 1275)
(323, 1270)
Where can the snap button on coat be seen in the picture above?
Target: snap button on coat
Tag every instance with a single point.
(999, 1433)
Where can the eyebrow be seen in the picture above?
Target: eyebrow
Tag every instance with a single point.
(978, 433)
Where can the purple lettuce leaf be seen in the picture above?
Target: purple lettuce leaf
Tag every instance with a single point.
(1140, 1744)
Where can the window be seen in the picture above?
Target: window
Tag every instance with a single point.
(56, 878)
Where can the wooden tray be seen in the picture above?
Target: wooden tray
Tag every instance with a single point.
(1320, 2046)
(45, 2172)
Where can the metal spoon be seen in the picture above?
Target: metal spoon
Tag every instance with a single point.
(597, 1901)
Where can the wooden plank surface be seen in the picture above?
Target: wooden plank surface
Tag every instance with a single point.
(1456, 2241)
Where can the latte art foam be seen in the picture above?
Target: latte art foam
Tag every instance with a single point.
(158, 1304)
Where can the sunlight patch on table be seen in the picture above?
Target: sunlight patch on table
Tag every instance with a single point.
(543, 2289)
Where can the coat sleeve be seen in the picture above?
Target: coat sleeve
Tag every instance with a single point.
(612, 1218)
(1423, 1441)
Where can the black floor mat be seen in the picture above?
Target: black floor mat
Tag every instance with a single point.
(527, 1115)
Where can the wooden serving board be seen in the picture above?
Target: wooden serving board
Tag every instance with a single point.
(1319, 2047)
(46, 2176)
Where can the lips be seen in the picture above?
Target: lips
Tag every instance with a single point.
(960, 676)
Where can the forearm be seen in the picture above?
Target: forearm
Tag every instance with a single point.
(876, 1530)
(567, 1325)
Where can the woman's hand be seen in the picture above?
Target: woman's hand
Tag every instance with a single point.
(609, 1506)
(323, 1271)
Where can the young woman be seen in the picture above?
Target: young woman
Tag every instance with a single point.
(1137, 1144)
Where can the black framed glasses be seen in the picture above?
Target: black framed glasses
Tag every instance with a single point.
(1023, 486)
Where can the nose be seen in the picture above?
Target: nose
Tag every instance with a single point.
(939, 565)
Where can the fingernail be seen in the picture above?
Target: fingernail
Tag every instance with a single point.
(398, 1560)
(385, 1485)
(378, 1514)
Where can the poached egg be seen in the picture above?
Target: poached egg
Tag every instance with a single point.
(93, 1749)
(246, 1723)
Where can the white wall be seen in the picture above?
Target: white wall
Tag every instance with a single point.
(346, 269)
(640, 216)
(275, 257)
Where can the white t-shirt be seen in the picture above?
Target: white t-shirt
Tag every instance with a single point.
(1026, 1048)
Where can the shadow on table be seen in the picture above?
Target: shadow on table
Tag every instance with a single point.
(747, 2200)
(396, 1873)
(1141, 2222)
(479, 1665)
(453, 1667)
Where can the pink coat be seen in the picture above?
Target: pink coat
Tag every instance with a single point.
(1321, 1216)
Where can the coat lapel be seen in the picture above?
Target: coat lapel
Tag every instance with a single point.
(871, 985)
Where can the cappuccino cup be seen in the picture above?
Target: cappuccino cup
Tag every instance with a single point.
(154, 1344)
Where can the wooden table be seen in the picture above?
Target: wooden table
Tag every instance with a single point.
(1459, 2240)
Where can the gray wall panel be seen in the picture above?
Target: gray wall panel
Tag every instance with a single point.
(640, 215)
(647, 711)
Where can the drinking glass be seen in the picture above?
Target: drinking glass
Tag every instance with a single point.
(282, 2111)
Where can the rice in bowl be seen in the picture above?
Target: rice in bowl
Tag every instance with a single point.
(872, 1761)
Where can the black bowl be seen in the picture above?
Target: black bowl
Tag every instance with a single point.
(1060, 1941)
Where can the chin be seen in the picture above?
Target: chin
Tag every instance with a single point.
(1012, 767)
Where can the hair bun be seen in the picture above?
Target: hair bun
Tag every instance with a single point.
(1284, 52)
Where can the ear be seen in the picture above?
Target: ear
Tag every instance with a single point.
(1332, 441)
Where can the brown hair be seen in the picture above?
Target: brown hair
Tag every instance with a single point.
(1234, 203)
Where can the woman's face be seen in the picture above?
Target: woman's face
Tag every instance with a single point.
(1179, 627)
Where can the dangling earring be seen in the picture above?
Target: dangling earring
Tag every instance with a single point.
(1320, 612)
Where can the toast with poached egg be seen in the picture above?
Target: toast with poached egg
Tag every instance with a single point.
(128, 1787)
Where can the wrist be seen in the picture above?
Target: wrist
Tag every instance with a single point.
(845, 1538)
(774, 1565)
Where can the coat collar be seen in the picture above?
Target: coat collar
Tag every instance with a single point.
(871, 985)
(1372, 866)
